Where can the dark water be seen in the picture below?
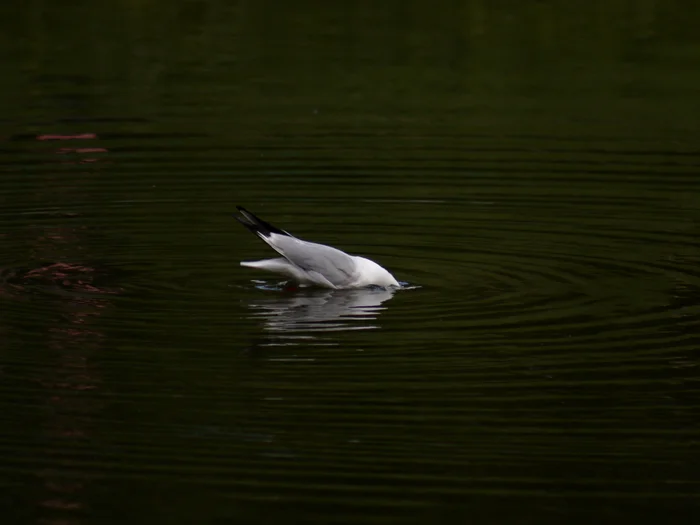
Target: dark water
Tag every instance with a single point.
(530, 168)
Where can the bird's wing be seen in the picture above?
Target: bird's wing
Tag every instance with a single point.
(321, 262)
(334, 265)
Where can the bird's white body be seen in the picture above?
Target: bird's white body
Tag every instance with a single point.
(312, 264)
(368, 273)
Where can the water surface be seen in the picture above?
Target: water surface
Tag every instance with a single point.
(531, 171)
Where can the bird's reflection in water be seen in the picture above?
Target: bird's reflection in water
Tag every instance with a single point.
(300, 314)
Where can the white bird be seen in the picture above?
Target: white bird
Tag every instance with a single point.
(309, 264)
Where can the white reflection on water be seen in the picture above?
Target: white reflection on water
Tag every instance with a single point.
(321, 310)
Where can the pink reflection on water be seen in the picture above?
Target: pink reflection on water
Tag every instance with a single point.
(79, 136)
(69, 375)
(77, 277)
(78, 150)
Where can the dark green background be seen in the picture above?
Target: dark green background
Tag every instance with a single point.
(529, 169)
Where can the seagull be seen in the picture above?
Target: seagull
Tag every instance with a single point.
(312, 264)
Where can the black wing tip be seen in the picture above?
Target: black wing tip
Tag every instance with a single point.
(255, 224)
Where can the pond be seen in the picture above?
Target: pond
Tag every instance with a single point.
(530, 172)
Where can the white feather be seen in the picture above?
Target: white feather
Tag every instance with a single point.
(309, 263)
